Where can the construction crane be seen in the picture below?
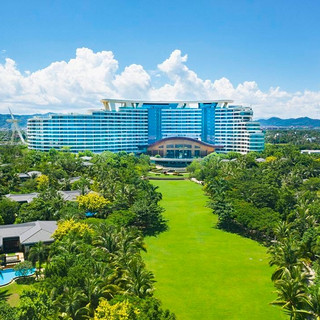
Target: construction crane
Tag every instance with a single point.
(15, 128)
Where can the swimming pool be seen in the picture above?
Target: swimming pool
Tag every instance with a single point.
(7, 275)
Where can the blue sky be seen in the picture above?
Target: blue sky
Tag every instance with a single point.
(273, 43)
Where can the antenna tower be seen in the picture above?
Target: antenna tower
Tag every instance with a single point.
(15, 128)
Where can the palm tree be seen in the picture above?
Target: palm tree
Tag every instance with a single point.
(282, 230)
(312, 304)
(284, 255)
(71, 303)
(291, 290)
(38, 253)
(105, 239)
(93, 290)
(120, 244)
(140, 280)
(130, 243)
(84, 184)
(115, 283)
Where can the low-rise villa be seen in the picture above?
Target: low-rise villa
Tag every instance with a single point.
(28, 197)
(22, 236)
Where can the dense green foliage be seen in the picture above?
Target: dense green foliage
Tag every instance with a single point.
(8, 211)
(92, 260)
(252, 197)
(302, 138)
(116, 177)
(275, 200)
(84, 266)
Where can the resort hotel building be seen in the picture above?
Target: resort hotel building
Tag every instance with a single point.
(139, 126)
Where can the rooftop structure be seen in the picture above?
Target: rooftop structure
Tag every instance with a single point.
(15, 236)
(131, 125)
(22, 198)
(70, 195)
(310, 151)
(28, 197)
(28, 175)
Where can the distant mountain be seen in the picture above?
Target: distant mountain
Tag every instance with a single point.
(304, 122)
(22, 119)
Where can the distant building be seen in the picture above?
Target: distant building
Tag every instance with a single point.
(28, 197)
(131, 126)
(310, 151)
(23, 197)
(235, 130)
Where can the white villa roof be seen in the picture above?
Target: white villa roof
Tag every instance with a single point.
(27, 197)
(34, 173)
(23, 176)
(70, 195)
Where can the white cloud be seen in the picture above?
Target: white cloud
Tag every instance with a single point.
(79, 84)
(133, 83)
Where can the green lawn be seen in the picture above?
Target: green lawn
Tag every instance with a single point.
(13, 291)
(205, 273)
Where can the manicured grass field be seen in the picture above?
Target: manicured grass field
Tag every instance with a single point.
(205, 273)
(12, 292)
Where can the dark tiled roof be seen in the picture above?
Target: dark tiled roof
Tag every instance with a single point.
(30, 232)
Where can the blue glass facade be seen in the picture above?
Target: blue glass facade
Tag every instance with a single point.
(208, 121)
(132, 125)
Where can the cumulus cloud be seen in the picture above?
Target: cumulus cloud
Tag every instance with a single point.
(79, 84)
(133, 83)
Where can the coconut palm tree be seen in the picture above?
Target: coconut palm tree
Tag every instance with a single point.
(292, 291)
(115, 282)
(282, 230)
(93, 290)
(312, 304)
(140, 280)
(71, 303)
(38, 253)
(284, 255)
(130, 243)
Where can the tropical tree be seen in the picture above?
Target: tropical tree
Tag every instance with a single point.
(8, 210)
(312, 306)
(93, 290)
(119, 311)
(71, 303)
(92, 202)
(23, 268)
(140, 280)
(38, 253)
(292, 291)
(285, 256)
(43, 182)
(6, 311)
(36, 305)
